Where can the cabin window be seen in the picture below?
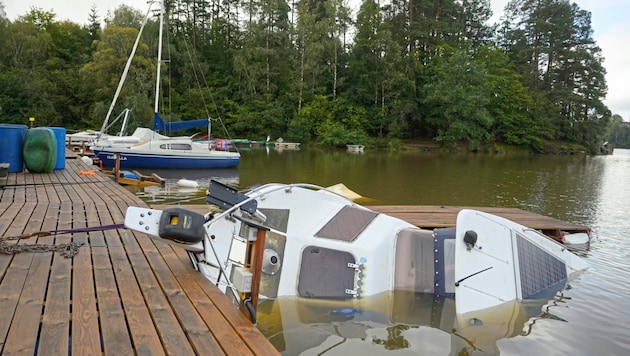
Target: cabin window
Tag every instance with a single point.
(347, 224)
(176, 146)
(324, 273)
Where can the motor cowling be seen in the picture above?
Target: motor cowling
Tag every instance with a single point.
(182, 226)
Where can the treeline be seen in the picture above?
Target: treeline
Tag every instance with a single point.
(312, 71)
(618, 133)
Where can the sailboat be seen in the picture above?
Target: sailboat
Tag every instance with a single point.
(146, 148)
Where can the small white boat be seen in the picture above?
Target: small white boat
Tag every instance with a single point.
(355, 148)
(307, 241)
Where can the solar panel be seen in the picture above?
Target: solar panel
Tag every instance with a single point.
(538, 269)
(347, 224)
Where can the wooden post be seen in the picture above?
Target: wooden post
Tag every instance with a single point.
(117, 168)
(257, 259)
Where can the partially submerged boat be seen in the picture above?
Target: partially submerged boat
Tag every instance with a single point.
(308, 241)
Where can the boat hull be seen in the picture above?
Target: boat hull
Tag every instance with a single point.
(318, 244)
(144, 160)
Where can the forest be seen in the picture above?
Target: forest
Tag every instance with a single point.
(321, 72)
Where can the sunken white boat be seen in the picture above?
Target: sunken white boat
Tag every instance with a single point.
(307, 241)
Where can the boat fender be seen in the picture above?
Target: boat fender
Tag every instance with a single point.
(187, 183)
(182, 226)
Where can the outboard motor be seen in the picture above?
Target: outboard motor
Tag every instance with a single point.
(182, 226)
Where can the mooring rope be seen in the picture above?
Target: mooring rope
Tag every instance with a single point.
(67, 250)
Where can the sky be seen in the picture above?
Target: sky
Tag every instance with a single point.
(610, 24)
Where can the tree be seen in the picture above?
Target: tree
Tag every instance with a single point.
(551, 43)
(100, 77)
(515, 118)
(458, 98)
(378, 78)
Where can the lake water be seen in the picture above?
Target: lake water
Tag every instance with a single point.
(588, 317)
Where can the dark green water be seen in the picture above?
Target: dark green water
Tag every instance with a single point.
(589, 317)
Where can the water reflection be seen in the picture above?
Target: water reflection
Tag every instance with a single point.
(395, 321)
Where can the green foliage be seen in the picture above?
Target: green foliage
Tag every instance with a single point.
(460, 93)
(308, 72)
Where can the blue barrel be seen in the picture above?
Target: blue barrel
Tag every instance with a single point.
(11, 141)
(60, 135)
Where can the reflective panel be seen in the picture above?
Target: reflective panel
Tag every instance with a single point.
(538, 269)
(347, 224)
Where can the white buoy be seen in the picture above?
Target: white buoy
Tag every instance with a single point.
(577, 238)
(187, 183)
(87, 160)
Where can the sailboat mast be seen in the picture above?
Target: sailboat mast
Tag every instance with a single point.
(159, 58)
(124, 75)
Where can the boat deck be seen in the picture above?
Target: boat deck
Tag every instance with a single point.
(123, 293)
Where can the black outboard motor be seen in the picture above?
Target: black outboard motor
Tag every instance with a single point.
(182, 226)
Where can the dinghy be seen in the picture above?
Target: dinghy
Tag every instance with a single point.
(307, 241)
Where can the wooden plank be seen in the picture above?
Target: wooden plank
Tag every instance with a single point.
(55, 323)
(198, 332)
(241, 324)
(446, 216)
(151, 279)
(136, 311)
(23, 335)
(231, 341)
(85, 328)
(115, 336)
(15, 271)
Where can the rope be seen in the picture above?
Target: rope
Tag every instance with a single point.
(67, 250)
(69, 231)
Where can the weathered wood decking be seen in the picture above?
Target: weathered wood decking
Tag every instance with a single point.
(121, 294)
(429, 217)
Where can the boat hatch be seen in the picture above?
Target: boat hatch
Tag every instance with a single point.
(347, 224)
(538, 270)
(425, 261)
(325, 273)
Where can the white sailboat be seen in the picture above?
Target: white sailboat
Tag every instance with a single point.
(146, 148)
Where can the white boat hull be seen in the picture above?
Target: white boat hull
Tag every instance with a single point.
(318, 244)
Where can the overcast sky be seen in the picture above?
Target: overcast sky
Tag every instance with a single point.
(610, 23)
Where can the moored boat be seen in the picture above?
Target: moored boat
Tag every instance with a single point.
(355, 148)
(147, 148)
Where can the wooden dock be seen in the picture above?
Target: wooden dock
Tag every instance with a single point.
(430, 217)
(121, 294)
